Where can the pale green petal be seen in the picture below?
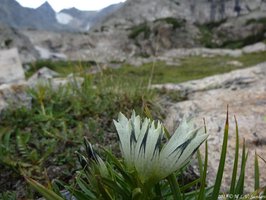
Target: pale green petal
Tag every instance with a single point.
(180, 134)
(124, 128)
(147, 152)
(171, 161)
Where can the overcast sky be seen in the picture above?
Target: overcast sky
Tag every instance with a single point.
(80, 4)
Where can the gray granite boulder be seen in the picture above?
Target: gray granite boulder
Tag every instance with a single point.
(245, 93)
(10, 67)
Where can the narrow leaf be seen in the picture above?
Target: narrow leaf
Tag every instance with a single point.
(46, 193)
(175, 187)
(204, 173)
(219, 176)
(257, 172)
(240, 184)
(234, 173)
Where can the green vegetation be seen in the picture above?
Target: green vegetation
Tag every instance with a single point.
(234, 44)
(62, 67)
(145, 28)
(139, 29)
(206, 31)
(41, 142)
(206, 38)
(47, 136)
(176, 23)
(189, 69)
(258, 21)
(129, 178)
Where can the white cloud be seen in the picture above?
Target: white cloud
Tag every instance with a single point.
(80, 4)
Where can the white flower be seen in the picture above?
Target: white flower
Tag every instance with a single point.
(142, 148)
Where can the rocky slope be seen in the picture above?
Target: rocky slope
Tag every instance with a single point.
(153, 26)
(201, 11)
(245, 93)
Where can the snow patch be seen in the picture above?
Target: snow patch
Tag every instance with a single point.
(63, 18)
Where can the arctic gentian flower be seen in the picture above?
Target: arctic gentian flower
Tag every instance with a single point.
(142, 148)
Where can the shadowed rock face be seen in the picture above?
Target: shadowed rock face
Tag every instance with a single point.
(245, 93)
(11, 38)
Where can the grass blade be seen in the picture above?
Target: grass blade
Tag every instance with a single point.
(85, 188)
(190, 185)
(204, 172)
(175, 187)
(46, 193)
(256, 172)
(219, 176)
(240, 184)
(200, 163)
(234, 173)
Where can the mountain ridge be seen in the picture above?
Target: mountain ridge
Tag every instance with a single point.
(45, 18)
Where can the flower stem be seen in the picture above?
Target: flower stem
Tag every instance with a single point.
(175, 187)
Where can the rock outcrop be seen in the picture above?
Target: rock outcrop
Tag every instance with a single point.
(12, 38)
(245, 93)
(202, 11)
(10, 67)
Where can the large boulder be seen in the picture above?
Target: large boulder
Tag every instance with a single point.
(245, 93)
(10, 67)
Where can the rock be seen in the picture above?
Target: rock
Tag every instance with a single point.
(47, 54)
(206, 52)
(42, 76)
(200, 11)
(10, 67)
(12, 38)
(260, 46)
(47, 77)
(14, 95)
(234, 80)
(245, 93)
(235, 63)
(242, 30)
(56, 83)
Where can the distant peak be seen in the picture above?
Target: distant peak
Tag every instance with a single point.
(46, 6)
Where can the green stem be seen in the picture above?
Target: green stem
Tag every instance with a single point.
(175, 187)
